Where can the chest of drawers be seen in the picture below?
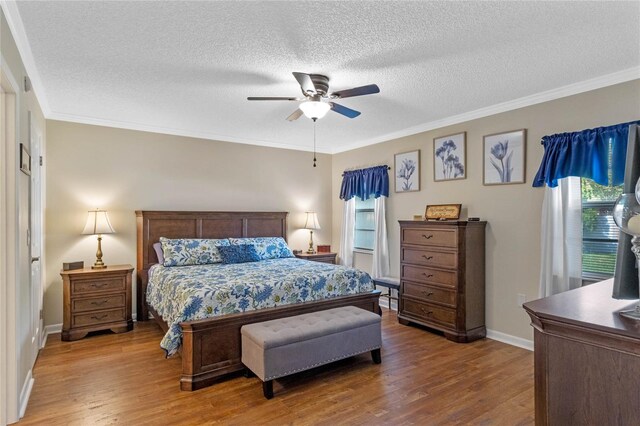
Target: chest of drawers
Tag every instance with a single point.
(442, 268)
(96, 299)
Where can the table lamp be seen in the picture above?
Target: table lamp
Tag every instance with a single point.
(311, 223)
(98, 224)
(626, 215)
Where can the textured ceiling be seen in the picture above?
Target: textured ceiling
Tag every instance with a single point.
(188, 67)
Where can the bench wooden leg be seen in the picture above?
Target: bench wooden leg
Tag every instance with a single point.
(375, 355)
(267, 389)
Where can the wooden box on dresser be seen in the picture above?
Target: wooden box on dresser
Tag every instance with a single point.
(442, 268)
(96, 299)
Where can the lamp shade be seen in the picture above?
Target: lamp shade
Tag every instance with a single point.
(315, 109)
(98, 223)
(312, 221)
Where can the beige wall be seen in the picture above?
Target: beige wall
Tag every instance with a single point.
(512, 211)
(124, 170)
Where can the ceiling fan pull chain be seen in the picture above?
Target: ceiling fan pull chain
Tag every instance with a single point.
(314, 143)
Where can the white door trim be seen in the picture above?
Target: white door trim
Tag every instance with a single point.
(9, 393)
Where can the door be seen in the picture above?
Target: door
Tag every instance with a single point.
(36, 235)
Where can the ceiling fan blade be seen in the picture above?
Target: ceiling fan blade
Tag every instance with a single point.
(295, 115)
(357, 91)
(347, 112)
(271, 98)
(305, 83)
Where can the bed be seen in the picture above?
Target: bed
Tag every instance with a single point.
(210, 347)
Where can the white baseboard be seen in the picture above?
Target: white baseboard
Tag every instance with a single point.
(510, 340)
(26, 393)
(384, 302)
(50, 329)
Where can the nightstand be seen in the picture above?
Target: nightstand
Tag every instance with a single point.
(318, 257)
(96, 299)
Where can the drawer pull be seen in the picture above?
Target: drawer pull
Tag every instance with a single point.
(424, 311)
(98, 285)
(427, 275)
(427, 257)
(428, 237)
(427, 293)
(96, 317)
(100, 303)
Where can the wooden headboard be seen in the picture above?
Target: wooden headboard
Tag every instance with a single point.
(151, 225)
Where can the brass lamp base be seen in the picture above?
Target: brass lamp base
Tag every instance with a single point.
(311, 251)
(99, 264)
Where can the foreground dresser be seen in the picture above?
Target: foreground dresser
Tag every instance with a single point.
(96, 299)
(442, 267)
(587, 358)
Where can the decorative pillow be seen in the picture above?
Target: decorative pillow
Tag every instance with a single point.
(158, 248)
(191, 251)
(239, 253)
(266, 247)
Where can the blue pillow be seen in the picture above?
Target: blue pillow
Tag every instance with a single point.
(191, 251)
(240, 253)
(266, 247)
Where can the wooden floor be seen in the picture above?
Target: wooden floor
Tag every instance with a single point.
(423, 379)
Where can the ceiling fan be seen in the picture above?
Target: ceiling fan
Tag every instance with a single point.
(317, 100)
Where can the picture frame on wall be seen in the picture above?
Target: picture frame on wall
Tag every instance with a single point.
(450, 157)
(504, 161)
(25, 160)
(407, 171)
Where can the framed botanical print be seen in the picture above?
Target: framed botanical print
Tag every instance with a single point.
(449, 157)
(407, 171)
(505, 158)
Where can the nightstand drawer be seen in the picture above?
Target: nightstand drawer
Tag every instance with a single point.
(429, 312)
(96, 303)
(100, 317)
(430, 237)
(428, 275)
(441, 259)
(430, 294)
(97, 285)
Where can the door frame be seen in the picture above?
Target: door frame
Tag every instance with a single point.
(9, 393)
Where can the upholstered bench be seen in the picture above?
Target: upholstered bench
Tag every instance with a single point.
(284, 346)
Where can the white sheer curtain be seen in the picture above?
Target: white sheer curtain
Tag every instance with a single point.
(380, 266)
(347, 232)
(561, 257)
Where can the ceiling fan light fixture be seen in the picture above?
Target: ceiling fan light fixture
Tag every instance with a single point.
(315, 109)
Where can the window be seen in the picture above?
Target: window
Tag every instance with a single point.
(365, 224)
(599, 232)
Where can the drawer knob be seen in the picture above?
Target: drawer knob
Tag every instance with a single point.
(428, 237)
(426, 312)
(100, 303)
(96, 317)
(427, 293)
(427, 275)
(427, 257)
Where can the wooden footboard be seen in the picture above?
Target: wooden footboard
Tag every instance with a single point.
(211, 348)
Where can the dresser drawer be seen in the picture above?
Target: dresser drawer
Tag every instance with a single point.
(97, 285)
(429, 312)
(428, 275)
(430, 294)
(98, 303)
(101, 317)
(430, 237)
(426, 257)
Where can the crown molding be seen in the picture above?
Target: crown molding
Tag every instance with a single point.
(178, 132)
(549, 95)
(11, 13)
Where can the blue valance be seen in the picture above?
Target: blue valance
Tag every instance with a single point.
(365, 183)
(585, 154)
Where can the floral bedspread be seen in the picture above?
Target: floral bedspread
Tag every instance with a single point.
(186, 293)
